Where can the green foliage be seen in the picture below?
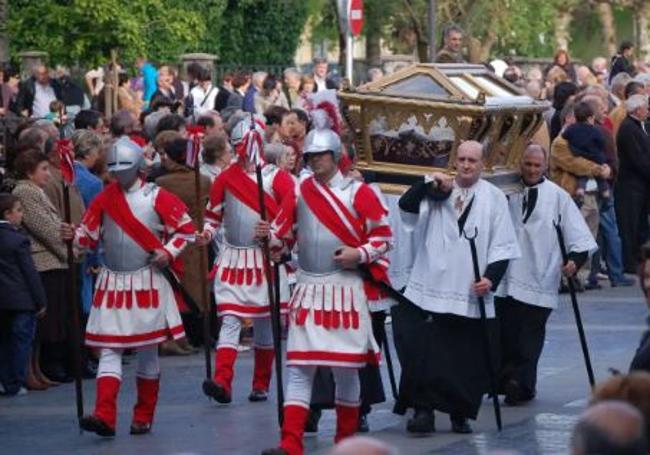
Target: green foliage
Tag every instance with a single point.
(261, 31)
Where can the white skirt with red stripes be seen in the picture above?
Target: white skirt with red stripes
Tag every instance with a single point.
(240, 284)
(330, 323)
(133, 309)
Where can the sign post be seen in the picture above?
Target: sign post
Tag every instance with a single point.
(354, 25)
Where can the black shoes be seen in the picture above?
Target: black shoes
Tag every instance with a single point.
(216, 391)
(258, 395)
(363, 424)
(275, 451)
(423, 422)
(311, 426)
(140, 428)
(460, 425)
(95, 425)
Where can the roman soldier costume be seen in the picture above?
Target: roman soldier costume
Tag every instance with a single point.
(239, 280)
(134, 305)
(329, 320)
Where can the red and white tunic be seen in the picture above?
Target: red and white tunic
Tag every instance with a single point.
(330, 323)
(240, 282)
(134, 304)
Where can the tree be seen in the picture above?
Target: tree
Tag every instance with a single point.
(84, 31)
(261, 31)
(4, 37)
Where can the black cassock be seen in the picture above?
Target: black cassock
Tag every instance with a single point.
(443, 361)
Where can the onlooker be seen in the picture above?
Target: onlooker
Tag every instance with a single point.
(122, 124)
(362, 445)
(633, 388)
(257, 81)
(149, 78)
(37, 92)
(307, 87)
(292, 79)
(618, 114)
(270, 95)
(9, 92)
(283, 156)
(240, 83)
(172, 122)
(321, 81)
(217, 154)
(562, 93)
(273, 117)
(179, 180)
(203, 95)
(563, 61)
(43, 223)
(452, 42)
(631, 191)
(211, 121)
(90, 120)
(617, 89)
(21, 302)
(225, 89)
(165, 89)
(127, 99)
(72, 96)
(610, 427)
(622, 61)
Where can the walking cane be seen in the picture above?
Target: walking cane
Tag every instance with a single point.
(64, 149)
(486, 336)
(272, 294)
(574, 304)
(205, 298)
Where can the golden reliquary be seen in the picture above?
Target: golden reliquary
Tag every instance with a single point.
(412, 121)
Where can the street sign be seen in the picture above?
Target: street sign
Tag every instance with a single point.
(355, 16)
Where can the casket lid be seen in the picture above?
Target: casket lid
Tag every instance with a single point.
(455, 83)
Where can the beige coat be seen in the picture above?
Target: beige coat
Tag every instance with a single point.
(42, 222)
(565, 167)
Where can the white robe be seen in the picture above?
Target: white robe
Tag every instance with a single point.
(442, 275)
(534, 278)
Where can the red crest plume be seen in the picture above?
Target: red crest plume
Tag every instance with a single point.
(194, 145)
(66, 158)
(332, 114)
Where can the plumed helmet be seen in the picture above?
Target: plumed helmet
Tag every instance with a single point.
(247, 138)
(125, 161)
(323, 140)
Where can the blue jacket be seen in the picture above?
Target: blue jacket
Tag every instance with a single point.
(150, 81)
(20, 284)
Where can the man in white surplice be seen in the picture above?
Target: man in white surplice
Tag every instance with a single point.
(529, 291)
(440, 337)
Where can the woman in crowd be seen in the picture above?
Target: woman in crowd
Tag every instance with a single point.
(127, 99)
(270, 95)
(42, 222)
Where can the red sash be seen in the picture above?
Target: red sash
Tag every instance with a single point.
(351, 231)
(115, 205)
(245, 189)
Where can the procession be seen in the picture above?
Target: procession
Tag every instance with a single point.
(448, 254)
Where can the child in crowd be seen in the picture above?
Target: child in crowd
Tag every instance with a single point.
(22, 299)
(586, 141)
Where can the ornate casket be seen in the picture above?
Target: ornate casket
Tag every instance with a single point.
(412, 121)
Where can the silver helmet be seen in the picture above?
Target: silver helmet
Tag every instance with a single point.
(323, 140)
(125, 161)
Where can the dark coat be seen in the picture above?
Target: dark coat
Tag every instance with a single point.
(20, 282)
(26, 92)
(633, 146)
(221, 100)
(620, 64)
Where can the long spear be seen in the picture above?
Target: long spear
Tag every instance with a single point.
(574, 304)
(193, 159)
(66, 157)
(486, 336)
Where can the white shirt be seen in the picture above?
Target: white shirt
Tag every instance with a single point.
(442, 275)
(321, 84)
(534, 277)
(201, 104)
(43, 96)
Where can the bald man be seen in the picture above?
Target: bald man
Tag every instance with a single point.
(529, 290)
(439, 339)
(610, 427)
(362, 445)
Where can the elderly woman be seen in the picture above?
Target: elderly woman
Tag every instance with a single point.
(42, 222)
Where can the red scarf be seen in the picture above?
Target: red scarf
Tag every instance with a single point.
(351, 232)
(245, 189)
(115, 205)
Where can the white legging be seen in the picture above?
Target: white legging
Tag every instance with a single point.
(110, 362)
(301, 380)
(231, 326)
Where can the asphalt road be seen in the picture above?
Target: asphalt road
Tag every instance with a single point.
(187, 423)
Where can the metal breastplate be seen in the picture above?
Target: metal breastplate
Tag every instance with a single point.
(122, 253)
(239, 220)
(316, 243)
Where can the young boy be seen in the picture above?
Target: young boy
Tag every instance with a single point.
(22, 299)
(586, 141)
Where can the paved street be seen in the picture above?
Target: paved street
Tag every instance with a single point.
(187, 423)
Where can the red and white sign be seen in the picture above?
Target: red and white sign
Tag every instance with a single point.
(355, 16)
